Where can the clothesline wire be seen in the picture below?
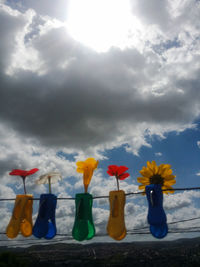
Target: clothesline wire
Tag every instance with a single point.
(185, 220)
(146, 227)
(196, 228)
(59, 239)
(127, 194)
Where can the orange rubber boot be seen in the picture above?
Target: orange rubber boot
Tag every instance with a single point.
(116, 224)
(20, 215)
(26, 225)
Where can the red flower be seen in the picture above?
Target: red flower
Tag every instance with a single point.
(23, 173)
(118, 171)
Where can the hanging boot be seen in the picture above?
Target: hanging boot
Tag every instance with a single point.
(156, 214)
(116, 224)
(21, 217)
(45, 224)
(83, 228)
(26, 225)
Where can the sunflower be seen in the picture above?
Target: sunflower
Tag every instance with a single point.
(153, 174)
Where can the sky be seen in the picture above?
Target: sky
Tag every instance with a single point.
(115, 80)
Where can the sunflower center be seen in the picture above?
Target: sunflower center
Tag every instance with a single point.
(156, 179)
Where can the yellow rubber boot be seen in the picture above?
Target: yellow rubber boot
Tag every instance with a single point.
(116, 224)
(13, 227)
(26, 225)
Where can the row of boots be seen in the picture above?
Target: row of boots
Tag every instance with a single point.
(84, 229)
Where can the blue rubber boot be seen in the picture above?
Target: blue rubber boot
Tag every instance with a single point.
(45, 224)
(156, 214)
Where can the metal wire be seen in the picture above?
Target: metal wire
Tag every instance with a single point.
(127, 194)
(135, 230)
(130, 232)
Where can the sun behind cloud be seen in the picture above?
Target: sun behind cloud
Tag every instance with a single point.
(101, 24)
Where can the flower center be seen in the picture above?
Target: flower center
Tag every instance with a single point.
(156, 179)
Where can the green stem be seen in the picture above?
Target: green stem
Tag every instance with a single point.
(23, 178)
(49, 179)
(117, 183)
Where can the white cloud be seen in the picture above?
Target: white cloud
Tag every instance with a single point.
(198, 144)
(159, 154)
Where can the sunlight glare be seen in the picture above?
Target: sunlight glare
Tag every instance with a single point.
(100, 24)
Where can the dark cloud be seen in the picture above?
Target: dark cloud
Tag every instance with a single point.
(79, 98)
(9, 27)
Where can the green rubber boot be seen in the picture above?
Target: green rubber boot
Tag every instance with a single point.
(83, 225)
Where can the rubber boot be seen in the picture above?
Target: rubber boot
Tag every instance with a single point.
(156, 214)
(83, 228)
(21, 217)
(26, 225)
(45, 224)
(116, 225)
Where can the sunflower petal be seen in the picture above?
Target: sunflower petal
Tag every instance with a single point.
(165, 167)
(160, 168)
(167, 191)
(141, 187)
(154, 167)
(143, 180)
(169, 177)
(146, 172)
(167, 172)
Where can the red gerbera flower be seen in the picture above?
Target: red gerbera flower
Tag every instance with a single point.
(23, 174)
(119, 172)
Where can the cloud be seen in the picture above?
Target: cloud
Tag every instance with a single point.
(57, 95)
(198, 144)
(180, 200)
(148, 12)
(59, 103)
(56, 9)
(159, 154)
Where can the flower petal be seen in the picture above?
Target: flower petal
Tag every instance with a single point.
(18, 172)
(154, 167)
(124, 176)
(80, 170)
(80, 164)
(146, 172)
(91, 162)
(44, 179)
(143, 180)
(141, 187)
(169, 177)
(169, 183)
(87, 167)
(167, 191)
(23, 173)
(163, 172)
(32, 171)
(112, 170)
(121, 169)
(165, 167)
